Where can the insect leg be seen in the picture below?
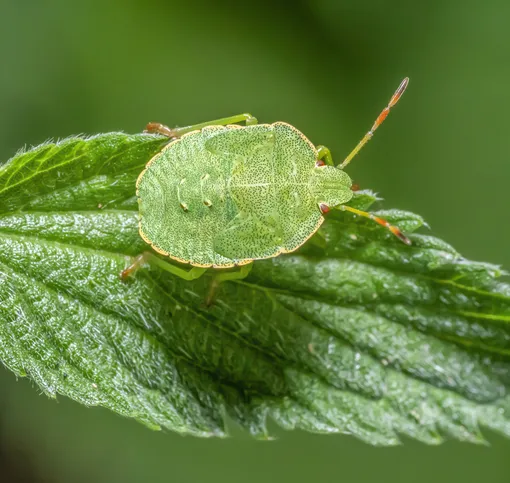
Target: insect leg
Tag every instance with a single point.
(378, 220)
(156, 127)
(243, 272)
(225, 276)
(325, 155)
(148, 257)
(384, 113)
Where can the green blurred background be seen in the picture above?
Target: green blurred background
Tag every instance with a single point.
(325, 66)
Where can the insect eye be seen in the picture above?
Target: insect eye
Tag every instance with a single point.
(324, 208)
(320, 163)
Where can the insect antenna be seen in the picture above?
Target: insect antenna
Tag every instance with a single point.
(380, 119)
(381, 221)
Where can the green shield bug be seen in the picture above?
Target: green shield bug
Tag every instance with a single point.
(221, 195)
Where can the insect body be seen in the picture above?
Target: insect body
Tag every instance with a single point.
(222, 195)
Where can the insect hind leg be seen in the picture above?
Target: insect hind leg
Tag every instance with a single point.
(148, 257)
(158, 128)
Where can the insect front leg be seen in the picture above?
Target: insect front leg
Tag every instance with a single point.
(158, 128)
(324, 156)
(148, 257)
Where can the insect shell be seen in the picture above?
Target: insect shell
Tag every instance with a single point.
(227, 195)
(221, 195)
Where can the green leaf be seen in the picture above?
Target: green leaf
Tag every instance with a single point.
(355, 333)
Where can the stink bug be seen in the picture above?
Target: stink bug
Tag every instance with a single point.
(222, 195)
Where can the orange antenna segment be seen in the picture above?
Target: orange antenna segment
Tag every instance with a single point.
(380, 119)
(393, 229)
